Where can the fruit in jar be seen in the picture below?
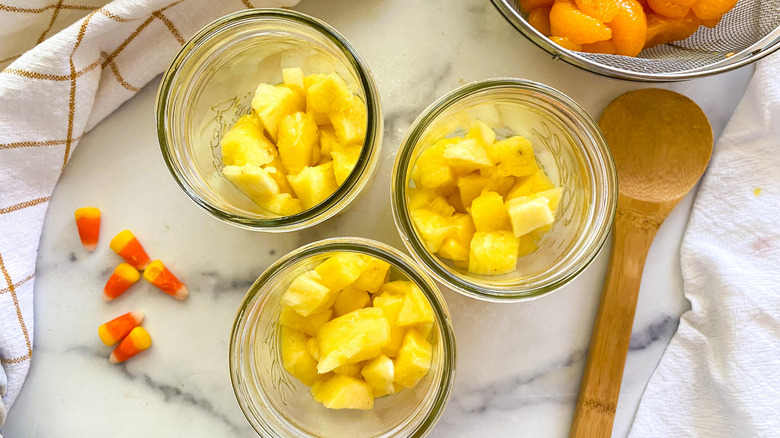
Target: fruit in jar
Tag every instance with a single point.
(413, 360)
(344, 392)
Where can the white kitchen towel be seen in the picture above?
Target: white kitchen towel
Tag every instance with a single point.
(72, 62)
(720, 374)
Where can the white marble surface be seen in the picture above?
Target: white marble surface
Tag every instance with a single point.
(519, 365)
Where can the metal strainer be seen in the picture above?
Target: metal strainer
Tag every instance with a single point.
(747, 33)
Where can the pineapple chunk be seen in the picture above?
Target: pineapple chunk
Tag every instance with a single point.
(453, 250)
(345, 157)
(489, 213)
(245, 143)
(526, 246)
(379, 373)
(329, 94)
(359, 335)
(466, 156)
(314, 184)
(259, 185)
(344, 392)
(293, 79)
(552, 195)
(493, 252)
(341, 270)
(307, 294)
(351, 124)
(416, 311)
(274, 103)
(432, 226)
(327, 140)
(482, 133)
(279, 174)
(418, 198)
(528, 214)
(373, 275)
(471, 186)
(441, 206)
(535, 183)
(515, 156)
(349, 299)
(456, 203)
(413, 361)
(392, 303)
(351, 369)
(434, 169)
(397, 287)
(308, 81)
(308, 324)
(296, 358)
(456, 246)
(313, 347)
(298, 142)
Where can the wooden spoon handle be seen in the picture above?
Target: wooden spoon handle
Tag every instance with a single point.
(600, 388)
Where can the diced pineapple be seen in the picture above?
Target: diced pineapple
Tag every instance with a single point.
(293, 79)
(351, 338)
(397, 287)
(456, 203)
(392, 303)
(419, 197)
(515, 156)
(413, 360)
(489, 213)
(308, 81)
(416, 311)
(528, 214)
(535, 183)
(296, 358)
(351, 124)
(313, 347)
(341, 270)
(451, 249)
(552, 195)
(493, 252)
(329, 94)
(432, 226)
(379, 373)
(350, 369)
(434, 169)
(373, 275)
(308, 295)
(298, 142)
(349, 299)
(441, 206)
(466, 156)
(345, 157)
(456, 246)
(527, 245)
(279, 174)
(314, 184)
(482, 133)
(259, 185)
(327, 140)
(344, 392)
(244, 143)
(308, 324)
(471, 186)
(273, 103)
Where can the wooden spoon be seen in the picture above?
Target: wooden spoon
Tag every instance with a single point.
(662, 142)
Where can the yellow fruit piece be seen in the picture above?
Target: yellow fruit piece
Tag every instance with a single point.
(341, 270)
(373, 275)
(397, 287)
(244, 143)
(328, 94)
(482, 133)
(493, 252)
(379, 374)
(349, 299)
(298, 142)
(351, 124)
(467, 156)
(279, 174)
(433, 227)
(552, 195)
(296, 358)
(344, 392)
(515, 157)
(327, 140)
(526, 245)
(313, 347)
(433, 167)
(538, 182)
(345, 157)
(416, 311)
(568, 21)
(451, 249)
(471, 186)
(308, 324)
(391, 303)
(419, 197)
(489, 213)
(352, 369)
(274, 103)
(307, 295)
(528, 214)
(413, 361)
(456, 246)
(308, 81)
(351, 338)
(314, 184)
(259, 185)
(293, 79)
(567, 43)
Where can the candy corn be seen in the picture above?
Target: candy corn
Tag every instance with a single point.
(127, 246)
(137, 341)
(88, 223)
(157, 274)
(116, 329)
(123, 277)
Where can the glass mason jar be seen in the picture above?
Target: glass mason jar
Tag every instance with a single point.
(210, 84)
(278, 405)
(569, 147)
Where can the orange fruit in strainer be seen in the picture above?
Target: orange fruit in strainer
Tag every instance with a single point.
(711, 9)
(566, 43)
(606, 47)
(662, 30)
(602, 10)
(668, 8)
(539, 18)
(580, 28)
(530, 5)
(629, 28)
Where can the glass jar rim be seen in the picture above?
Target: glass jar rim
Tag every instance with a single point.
(364, 166)
(376, 249)
(416, 247)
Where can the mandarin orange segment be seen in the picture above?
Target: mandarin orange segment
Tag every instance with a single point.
(539, 18)
(530, 5)
(629, 29)
(711, 9)
(602, 10)
(566, 43)
(604, 47)
(685, 2)
(568, 21)
(668, 8)
(662, 30)
(711, 22)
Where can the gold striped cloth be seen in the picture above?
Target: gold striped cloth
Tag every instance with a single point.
(66, 64)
